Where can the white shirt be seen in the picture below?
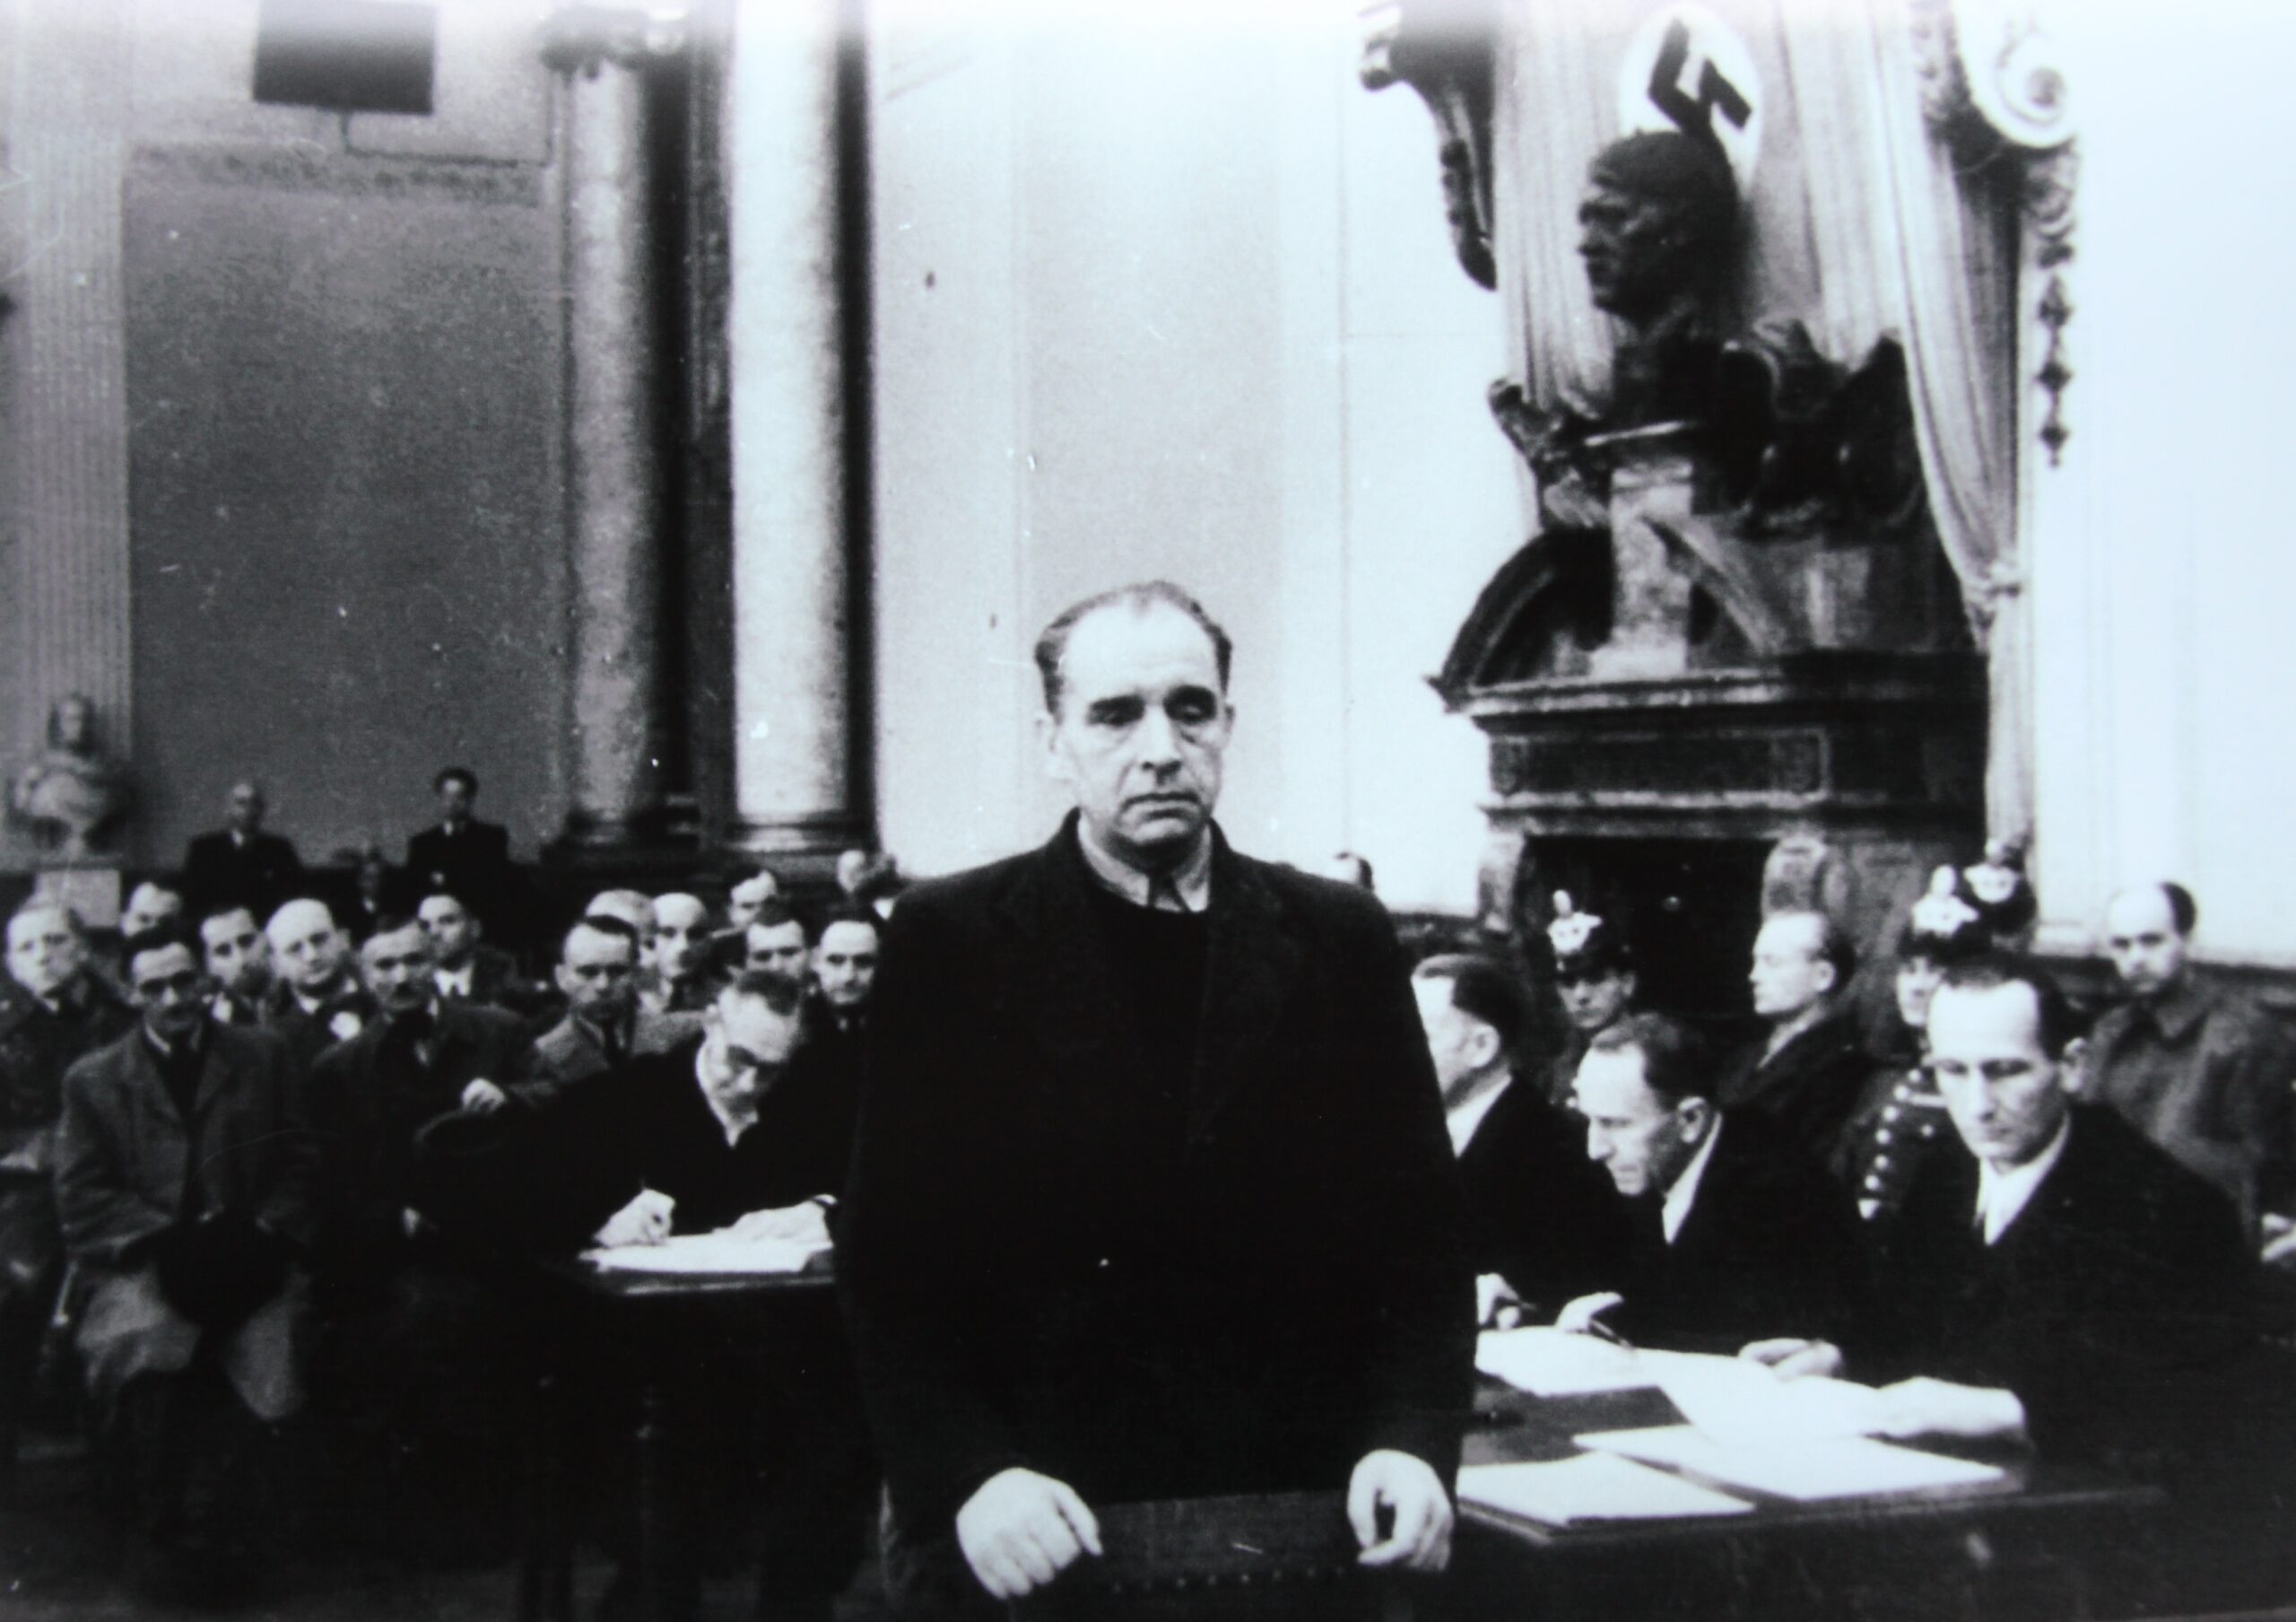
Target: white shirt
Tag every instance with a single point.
(732, 1126)
(2002, 1195)
(1685, 1193)
(1463, 1119)
(454, 983)
(1192, 878)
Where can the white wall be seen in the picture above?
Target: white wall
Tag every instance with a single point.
(1191, 311)
(2165, 653)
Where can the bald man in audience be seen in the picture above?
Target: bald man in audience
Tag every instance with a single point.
(1542, 1223)
(2196, 1067)
(603, 1026)
(1736, 1230)
(237, 955)
(316, 1000)
(680, 982)
(1807, 1073)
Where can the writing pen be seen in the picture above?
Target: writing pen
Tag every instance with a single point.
(1603, 1332)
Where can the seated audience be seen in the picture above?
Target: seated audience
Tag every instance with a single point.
(237, 955)
(1542, 1223)
(776, 943)
(150, 906)
(597, 972)
(634, 907)
(1901, 1117)
(467, 856)
(1807, 1074)
(2053, 1276)
(468, 969)
(1593, 977)
(1736, 1227)
(239, 864)
(184, 1177)
(681, 980)
(53, 1009)
(417, 1356)
(316, 1001)
(378, 891)
(2196, 1066)
(845, 971)
(747, 896)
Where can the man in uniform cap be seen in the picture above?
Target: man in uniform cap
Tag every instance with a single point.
(1593, 976)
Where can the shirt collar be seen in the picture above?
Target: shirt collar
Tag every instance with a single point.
(2001, 1196)
(1463, 1119)
(1685, 1193)
(1192, 879)
(457, 980)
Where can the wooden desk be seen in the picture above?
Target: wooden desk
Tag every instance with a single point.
(653, 1314)
(2045, 1542)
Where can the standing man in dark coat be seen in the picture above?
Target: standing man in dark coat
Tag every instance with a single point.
(239, 864)
(1152, 1197)
(1809, 1071)
(467, 856)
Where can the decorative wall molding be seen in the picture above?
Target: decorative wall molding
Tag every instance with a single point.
(340, 174)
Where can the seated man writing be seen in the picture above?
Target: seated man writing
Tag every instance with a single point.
(2063, 1280)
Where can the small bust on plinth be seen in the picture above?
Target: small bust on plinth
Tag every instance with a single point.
(72, 792)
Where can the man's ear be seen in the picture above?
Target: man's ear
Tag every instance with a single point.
(1484, 1045)
(1832, 982)
(2072, 1068)
(1048, 744)
(1697, 1117)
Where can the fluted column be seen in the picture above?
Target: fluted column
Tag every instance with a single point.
(613, 470)
(793, 770)
(66, 147)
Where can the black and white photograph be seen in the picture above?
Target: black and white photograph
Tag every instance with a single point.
(1151, 810)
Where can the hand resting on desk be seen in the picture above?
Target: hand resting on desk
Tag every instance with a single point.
(1578, 1316)
(645, 1220)
(1419, 1530)
(1919, 1407)
(1021, 1530)
(805, 1223)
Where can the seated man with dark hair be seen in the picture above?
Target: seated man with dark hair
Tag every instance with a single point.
(682, 980)
(598, 973)
(1542, 1223)
(237, 956)
(468, 969)
(1735, 1229)
(1808, 1073)
(151, 905)
(776, 942)
(184, 1173)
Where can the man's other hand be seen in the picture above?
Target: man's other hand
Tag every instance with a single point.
(1792, 1356)
(1924, 1406)
(1419, 1530)
(805, 1223)
(645, 1220)
(1497, 1306)
(483, 1097)
(1578, 1317)
(1021, 1530)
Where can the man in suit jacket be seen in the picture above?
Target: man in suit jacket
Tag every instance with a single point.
(239, 864)
(598, 973)
(1151, 1196)
(184, 1173)
(465, 855)
(468, 969)
(315, 1000)
(416, 1362)
(1737, 1232)
(1541, 1221)
(1808, 1073)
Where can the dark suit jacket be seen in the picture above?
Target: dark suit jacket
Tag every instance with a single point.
(1033, 1275)
(308, 1035)
(1769, 1247)
(1533, 1208)
(1810, 1087)
(258, 875)
(569, 1051)
(2107, 1301)
(369, 1098)
(474, 864)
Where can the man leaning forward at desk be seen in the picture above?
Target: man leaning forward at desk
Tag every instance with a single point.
(1152, 1197)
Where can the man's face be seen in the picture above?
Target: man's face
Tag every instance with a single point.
(453, 931)
(1593, 1000)
(307, 946)
(1631, 1132)
(44, 951)
(1142, 730)
(778, 947)
(845, 963)
(455, 796)
(681, 934)
(2141, 934)
(1626, 242)
(244, 810)
(238, 958)
(169, 991)
(742, 906)
(1789, 975)
(747, 1046)
(148, 907)
(1917, 979)
(1461, 1045)
(2004, 1092)
(599, 976)
(398, 969)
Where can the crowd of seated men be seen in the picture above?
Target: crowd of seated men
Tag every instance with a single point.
(288, 1320)
(258, 1182)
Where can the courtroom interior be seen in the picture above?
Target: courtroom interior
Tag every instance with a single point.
(866, 808)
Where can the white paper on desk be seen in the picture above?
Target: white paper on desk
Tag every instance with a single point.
(719, 1253)
(1846, 1467)
(1734, 1399)
(1556, 1363)
(1591, 1486)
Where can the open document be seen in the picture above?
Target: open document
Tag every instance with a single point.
(1590, 1488)
(720, 1254)
(1803, 1469)
(1556, 1363)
